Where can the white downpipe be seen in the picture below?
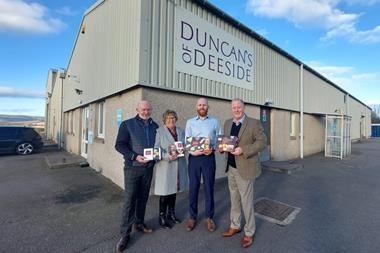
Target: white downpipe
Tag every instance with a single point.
(61, 129)
(301, 111)
(365, 123)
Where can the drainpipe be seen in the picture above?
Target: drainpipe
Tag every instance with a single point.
(62, 76)
(301, 111)
(365, 122)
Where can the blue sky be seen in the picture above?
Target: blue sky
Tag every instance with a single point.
(338, 38)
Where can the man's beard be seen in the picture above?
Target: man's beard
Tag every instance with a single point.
(202, 112)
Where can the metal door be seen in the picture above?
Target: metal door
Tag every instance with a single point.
(84, 132)
(265, 121)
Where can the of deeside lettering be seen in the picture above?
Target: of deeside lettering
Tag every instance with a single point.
(214, 53)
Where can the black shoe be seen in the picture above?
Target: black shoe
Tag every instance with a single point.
(163, 222)
(143, 228)
(122, 244)
(171, 217)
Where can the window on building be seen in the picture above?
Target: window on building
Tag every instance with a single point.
(101, 119)
(293, 125)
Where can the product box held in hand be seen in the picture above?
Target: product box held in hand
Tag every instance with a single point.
(151, 154)
(176, 149)
(226, 143)
(198, 143)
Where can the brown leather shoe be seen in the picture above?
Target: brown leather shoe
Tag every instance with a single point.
(246, 241)
(143, 228)
(210, 225)
(191, 223)
(231, 231)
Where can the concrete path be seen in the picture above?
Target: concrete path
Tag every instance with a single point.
(75, 209)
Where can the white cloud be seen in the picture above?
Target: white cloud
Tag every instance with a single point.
(19, 93)
(262, 32)
(318, 13)
(307, 12)
(21, 16)
(330, 71)
(66, 11)
(364, 86)
(345, 76)
(18, 110)
(373, 102)
(350, 33)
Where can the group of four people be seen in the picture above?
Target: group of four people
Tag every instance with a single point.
(173, 174)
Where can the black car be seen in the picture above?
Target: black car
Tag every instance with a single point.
(19, 139)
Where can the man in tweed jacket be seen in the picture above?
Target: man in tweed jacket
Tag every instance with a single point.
(134, 135)
(243, 166)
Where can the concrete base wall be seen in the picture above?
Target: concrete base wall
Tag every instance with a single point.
(314, 132)
(103, 157)
(72, 140)
(286, 147)
(283, 147)
(184, 105)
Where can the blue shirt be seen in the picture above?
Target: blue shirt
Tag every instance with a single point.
(208, 127)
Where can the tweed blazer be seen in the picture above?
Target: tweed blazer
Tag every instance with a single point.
(168, 172)
(252, 140)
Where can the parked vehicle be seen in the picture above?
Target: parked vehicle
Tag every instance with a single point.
(19, 139)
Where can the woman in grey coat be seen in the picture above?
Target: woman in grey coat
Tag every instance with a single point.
(171, 172)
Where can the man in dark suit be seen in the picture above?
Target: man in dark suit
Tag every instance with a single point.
(134, 135)
(243, 166)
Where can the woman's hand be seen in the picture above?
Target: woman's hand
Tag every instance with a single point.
(172, 157)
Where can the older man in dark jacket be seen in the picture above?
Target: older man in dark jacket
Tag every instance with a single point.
(134, 135)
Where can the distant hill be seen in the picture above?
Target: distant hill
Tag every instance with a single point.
(20, 118)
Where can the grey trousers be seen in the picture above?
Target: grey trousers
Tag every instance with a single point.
(241, 193)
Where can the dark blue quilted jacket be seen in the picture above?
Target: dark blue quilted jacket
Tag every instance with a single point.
(134, 135)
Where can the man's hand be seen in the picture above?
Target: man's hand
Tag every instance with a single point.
(207, 152)
(141, 159)
(237, 151)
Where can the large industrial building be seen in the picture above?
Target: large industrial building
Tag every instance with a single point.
(171, 52)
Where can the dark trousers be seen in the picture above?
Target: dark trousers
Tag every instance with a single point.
(202, 166)
(167, 203)
(136, 192)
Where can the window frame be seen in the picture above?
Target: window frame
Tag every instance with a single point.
(293, 125)
(101, 116)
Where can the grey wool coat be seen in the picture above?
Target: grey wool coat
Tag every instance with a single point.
(166, 171)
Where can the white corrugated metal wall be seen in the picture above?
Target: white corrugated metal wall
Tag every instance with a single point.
(321, 97)
(131, 42)
(105, 57)
(275, 77)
